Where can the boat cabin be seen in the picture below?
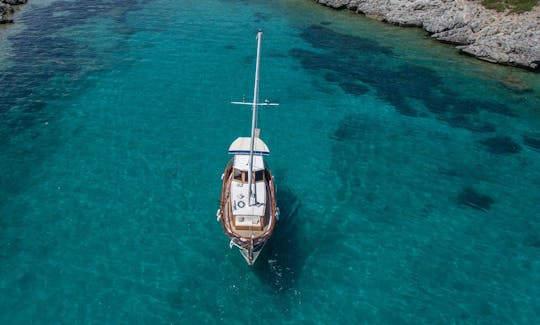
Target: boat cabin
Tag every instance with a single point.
(248, 214)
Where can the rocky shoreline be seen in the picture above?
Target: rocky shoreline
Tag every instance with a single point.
(498, 37)
(7, 9)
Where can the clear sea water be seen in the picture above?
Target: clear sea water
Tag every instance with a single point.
(408, 175)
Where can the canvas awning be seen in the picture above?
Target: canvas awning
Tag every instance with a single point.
(241, 146)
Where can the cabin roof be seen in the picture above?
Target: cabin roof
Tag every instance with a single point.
(241, 146)
(241, 162)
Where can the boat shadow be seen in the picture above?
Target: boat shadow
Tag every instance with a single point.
(282, 259)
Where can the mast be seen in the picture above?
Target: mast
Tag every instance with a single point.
(252, 199)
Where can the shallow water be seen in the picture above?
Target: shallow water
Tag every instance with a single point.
(407, 174)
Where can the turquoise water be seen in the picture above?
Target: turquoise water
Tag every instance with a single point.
(408, 175)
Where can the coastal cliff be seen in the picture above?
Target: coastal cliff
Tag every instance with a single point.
(499, 37)
(6, 9)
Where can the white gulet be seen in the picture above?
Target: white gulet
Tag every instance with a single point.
(248, 211)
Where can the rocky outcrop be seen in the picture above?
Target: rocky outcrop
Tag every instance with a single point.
(500, 37)
(6, 9)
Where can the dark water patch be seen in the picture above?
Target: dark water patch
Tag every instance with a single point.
(35, 106)
(350, 128)
(484, 127)
(501, 145)
(325, 38)
(275, 54)
(126, 30)
(261, 17)
(493, 107)
(176, 299)
(249, 59)
(326, 23)
(459, 113)
(9, 248)
(27, 281)
(148, 45)
(533, 142)
(401, 104)
(311, 60)
(350, 60)
(331, 77)
(354, 88)
(469, 197)
(40, 55)
(437, 105)
(417, 81)
(468, 123)
(516, 85)
(465, 107)
(45, 20)
(230, 47)
(476, 171)
(406, 110)
(44, 66)
(185, 298)
(532, 240)
(473, 106)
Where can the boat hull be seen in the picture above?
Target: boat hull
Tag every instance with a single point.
(249, 243)
(250, 259)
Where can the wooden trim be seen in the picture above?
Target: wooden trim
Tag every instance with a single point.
(226, 211)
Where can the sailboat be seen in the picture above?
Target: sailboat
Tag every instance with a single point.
(248, 211)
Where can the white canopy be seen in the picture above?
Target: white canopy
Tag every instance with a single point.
(241, 146)
(241, 162)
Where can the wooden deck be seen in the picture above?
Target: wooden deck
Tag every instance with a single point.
(226, 212)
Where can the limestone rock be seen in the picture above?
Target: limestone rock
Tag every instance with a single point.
(6, 9)
(15, 2)
(337, 4)
(500, 37)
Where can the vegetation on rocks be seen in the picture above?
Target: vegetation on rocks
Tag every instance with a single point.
(514, 5)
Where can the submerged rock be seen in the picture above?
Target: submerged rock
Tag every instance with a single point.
(499, 37)
(501, 145)
(469, 197)
(533, 142)
(516, 84)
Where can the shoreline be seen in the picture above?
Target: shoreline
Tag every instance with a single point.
(503, 38)
(499, 37)
(7, 8)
